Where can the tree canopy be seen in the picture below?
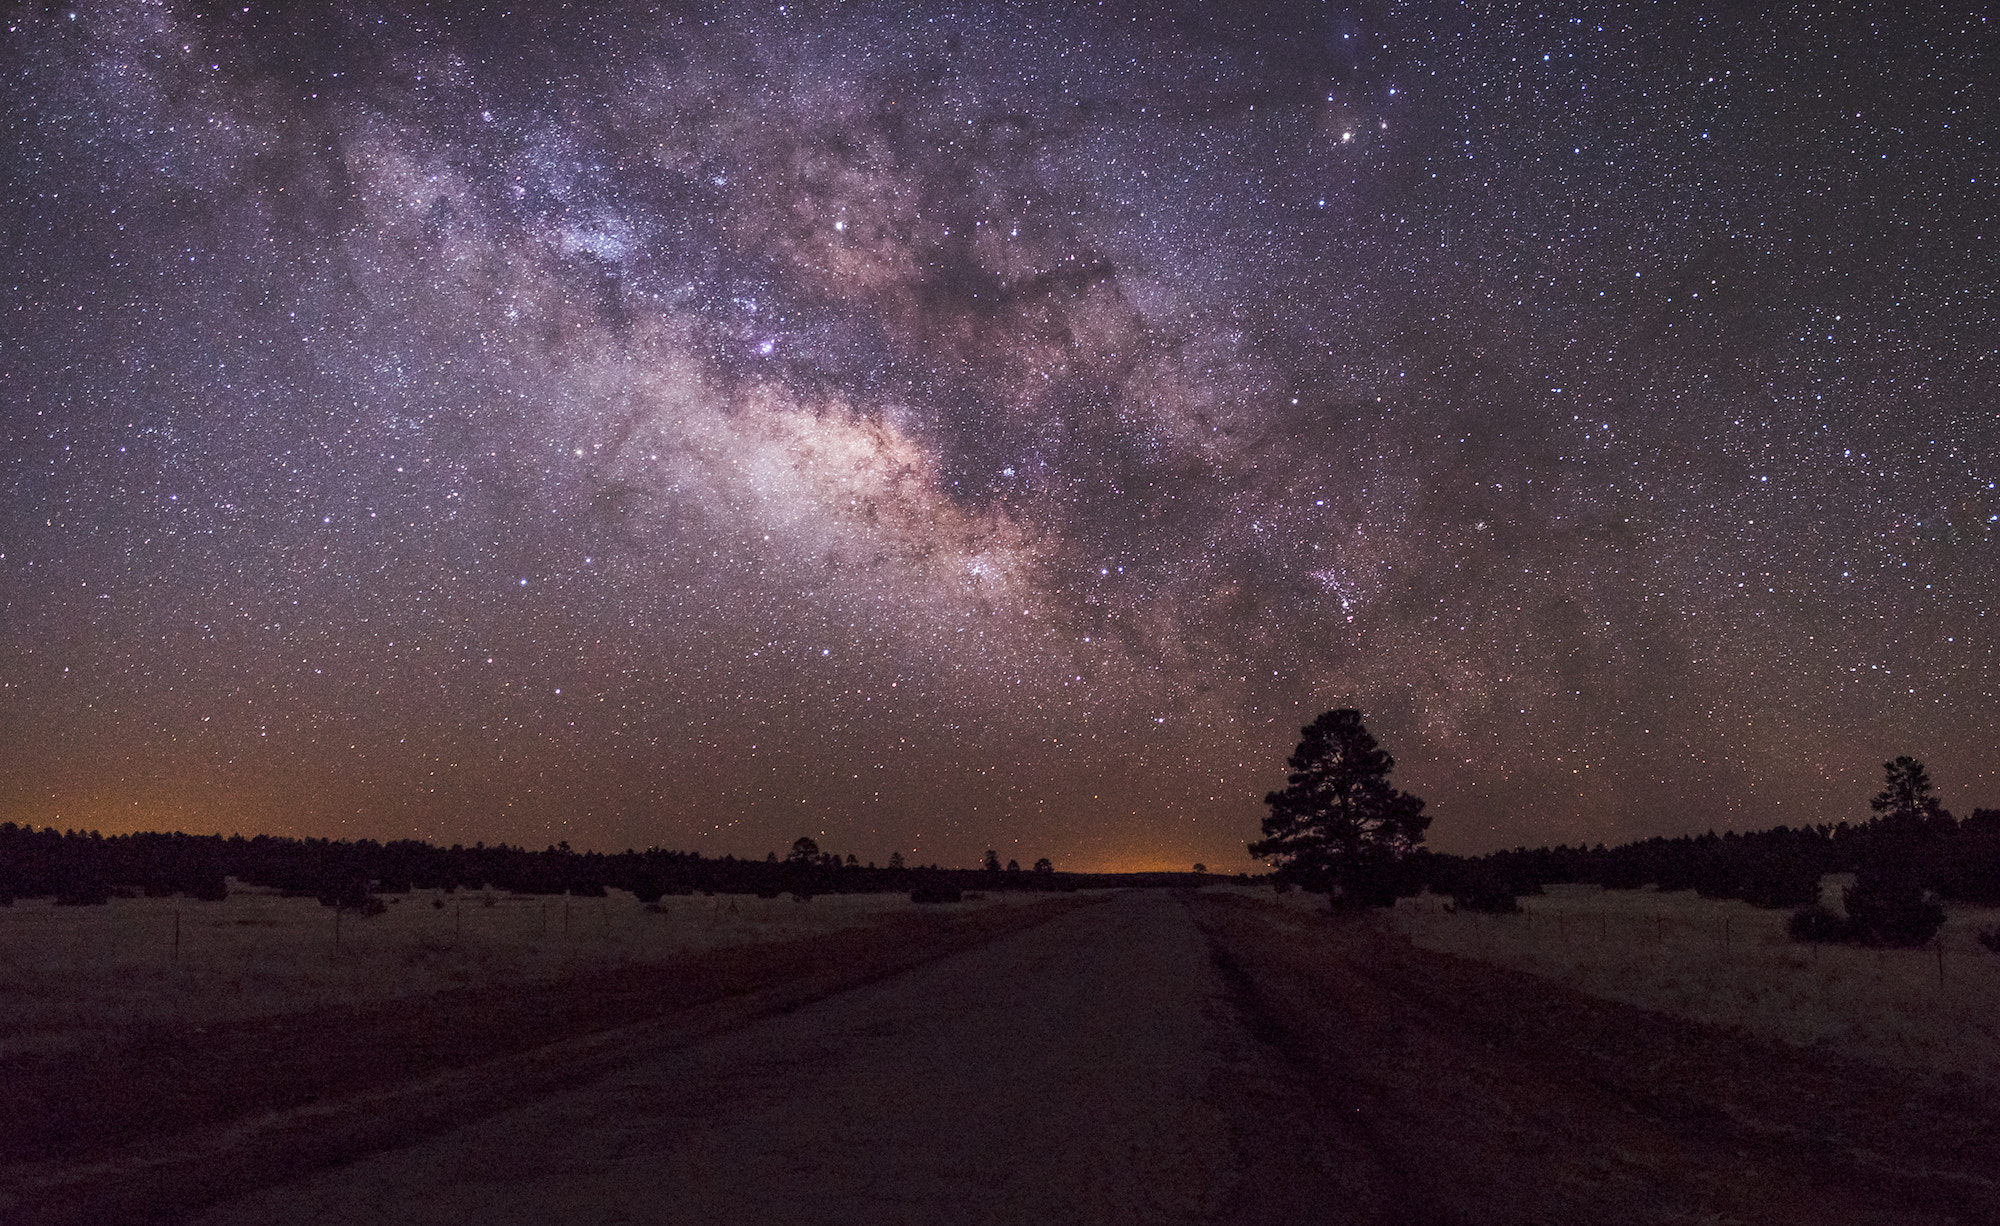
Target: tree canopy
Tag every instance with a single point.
(1338, 827)
(1906, 794)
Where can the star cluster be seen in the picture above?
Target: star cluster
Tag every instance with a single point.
(932, 429)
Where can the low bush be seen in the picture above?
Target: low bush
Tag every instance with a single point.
(1817, 924)
(207, 887)
(1485, 897)
(83, 893)
(1884, 912)
(936, 893)
(1480, 888)
(1779, 887)
(1892, 914)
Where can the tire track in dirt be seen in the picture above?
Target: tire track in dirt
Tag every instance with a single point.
(1058, 1076)
(1159, 1059)
(1305, 1147)
(270, 1100)
(1467, 1093)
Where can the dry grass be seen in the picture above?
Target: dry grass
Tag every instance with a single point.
(71, 975)
(1730, 964)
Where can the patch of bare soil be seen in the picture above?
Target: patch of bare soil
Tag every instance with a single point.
(1422, 1088)
(175, 1119)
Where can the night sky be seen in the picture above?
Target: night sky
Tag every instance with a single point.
(1001, 426)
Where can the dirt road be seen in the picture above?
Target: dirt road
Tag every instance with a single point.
(1058, 1074)
(1161, 1059)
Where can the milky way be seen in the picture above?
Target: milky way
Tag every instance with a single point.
(990, 427)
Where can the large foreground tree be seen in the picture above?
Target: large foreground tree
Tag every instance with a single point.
(1338, 827)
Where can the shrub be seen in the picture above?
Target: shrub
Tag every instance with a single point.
(1474, 886)
(1892, 913)
(936, 893)
(1715, 883)
(1775, 887)
(83, 892)
(1819, 925)
(1486, 897)
(211, 887)
(343, 897)
(1990, 938)
(1623, 874)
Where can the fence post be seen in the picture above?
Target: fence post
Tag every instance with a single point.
(1939, 941)
(177, 936)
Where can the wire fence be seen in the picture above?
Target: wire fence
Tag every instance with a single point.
(1725, 962)
(71, 972)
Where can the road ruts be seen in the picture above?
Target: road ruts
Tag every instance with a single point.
(166, 1124)
(1165, 1059)
(1056, 1075)
(1446, 1091)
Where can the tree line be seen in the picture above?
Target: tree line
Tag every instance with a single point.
(1908, 860)
(75, 867)
(1339, 828)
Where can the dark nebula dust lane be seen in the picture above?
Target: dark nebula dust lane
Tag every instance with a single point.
(931, 429)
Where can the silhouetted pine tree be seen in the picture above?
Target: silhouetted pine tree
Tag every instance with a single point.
(1338, 827)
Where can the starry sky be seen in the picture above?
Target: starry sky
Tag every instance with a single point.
(939, 428)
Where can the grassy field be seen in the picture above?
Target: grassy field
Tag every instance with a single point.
(1731, 964)
(69, 975)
